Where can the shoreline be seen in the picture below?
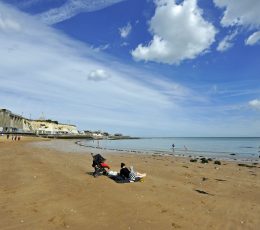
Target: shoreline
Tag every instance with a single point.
(230, 156)
(189, 155)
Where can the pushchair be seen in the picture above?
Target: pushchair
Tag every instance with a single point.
(99, 165)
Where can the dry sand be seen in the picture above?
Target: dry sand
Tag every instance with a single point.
(48, 189)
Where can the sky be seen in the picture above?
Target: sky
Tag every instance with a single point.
(168, 68)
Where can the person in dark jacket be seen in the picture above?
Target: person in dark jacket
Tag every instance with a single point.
(124, 171)
(131, 175)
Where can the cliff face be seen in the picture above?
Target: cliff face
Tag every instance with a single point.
(48, 127)
(10, 122)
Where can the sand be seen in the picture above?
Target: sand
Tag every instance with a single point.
(43, 188)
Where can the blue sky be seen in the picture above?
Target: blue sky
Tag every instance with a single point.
(138, 67)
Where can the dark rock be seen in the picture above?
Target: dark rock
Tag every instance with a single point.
(204, 178)
(248, 166)
(204, 160)
(193, 160)
(209, 159)
(232, 154)
(217, 162)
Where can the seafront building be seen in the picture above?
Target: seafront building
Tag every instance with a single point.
(10, 122)
(13, 123)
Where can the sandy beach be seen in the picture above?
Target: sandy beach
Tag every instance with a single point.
(47, 188)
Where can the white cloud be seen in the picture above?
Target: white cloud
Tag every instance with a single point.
(253, 39)
(98, 75)
(226, 43)
(179, 33)
(255, 103)
(175, 91)
(7, 23)
(240, 14)
(42, 70)
(243, 13)
(102, 47)
(125, 31)
(72, 8)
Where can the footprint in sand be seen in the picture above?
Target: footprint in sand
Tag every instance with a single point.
(175, 225)
(164, 210)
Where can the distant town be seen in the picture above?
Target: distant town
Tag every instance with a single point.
(11, 123)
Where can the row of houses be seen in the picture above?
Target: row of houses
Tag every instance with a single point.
(13, 123)
(100, 134)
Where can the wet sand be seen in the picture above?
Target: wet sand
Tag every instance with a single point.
(44, 188)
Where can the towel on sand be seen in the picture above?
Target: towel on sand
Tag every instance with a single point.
(119, 179)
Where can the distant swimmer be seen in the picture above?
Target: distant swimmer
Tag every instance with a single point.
(173, 145)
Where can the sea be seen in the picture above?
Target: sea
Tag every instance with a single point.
(227, 148)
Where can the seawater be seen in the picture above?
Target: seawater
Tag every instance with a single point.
(242, 148)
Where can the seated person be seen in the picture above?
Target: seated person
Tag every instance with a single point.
(124, 171)
(130, 174)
